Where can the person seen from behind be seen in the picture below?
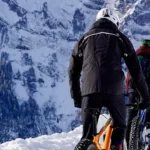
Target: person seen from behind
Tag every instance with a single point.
(143, 54)
(98, 56)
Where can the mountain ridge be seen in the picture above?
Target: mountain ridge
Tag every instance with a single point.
(35, 45)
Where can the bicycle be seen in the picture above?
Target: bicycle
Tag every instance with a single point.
(107, 129)
(137, 139)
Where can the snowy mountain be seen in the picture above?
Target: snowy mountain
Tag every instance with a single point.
(36, 38)
(136, 22)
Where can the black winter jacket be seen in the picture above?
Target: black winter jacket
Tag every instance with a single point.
(98, 55)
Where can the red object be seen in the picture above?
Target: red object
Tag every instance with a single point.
(143, 50)
(127, 81)
(120, 147)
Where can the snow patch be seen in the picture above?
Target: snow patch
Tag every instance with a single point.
(8, 15)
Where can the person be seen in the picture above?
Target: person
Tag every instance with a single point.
(143, 54)
(97, 55)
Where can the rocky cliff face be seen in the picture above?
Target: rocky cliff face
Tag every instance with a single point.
(36, 38)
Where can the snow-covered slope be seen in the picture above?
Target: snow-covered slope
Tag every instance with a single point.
(36, 38)
(57, 141)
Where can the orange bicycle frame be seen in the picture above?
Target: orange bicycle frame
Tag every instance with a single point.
(107, 127)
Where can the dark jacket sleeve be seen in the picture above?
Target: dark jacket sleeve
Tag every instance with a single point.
(135, 70)
(74, 72)
(131, 86)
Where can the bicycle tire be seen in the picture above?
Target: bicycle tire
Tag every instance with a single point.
(85, 145)
(134, 143)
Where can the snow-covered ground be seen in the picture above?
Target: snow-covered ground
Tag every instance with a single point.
(63, 141)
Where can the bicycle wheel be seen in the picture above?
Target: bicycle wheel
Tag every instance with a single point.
(134, 142)
(85, 145)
